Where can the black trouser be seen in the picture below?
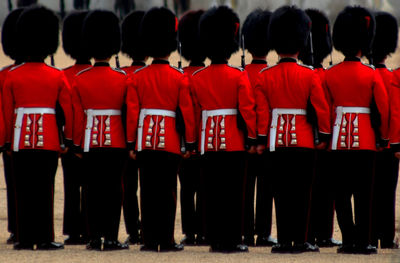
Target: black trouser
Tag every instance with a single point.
(223, 192)
(75, 206)
(323, 199)
(103, 169)
(9, 178)
(292, 173)
(158, 179)
(130, 200)
(353, 171)
(255, 171)
(384, 201)
(192, 204)
(34, 172)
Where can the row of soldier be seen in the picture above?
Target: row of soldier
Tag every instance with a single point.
(306, 132)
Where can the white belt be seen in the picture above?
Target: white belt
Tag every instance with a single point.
(90, 114)
(18, 121)
(274, 123)
(205, 114)
(142, 116)
(340, 111)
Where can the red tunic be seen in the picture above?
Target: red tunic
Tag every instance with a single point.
(135, 66)
(290, 85)
(394, 96)
(163, 87)
(253, 70)
(218, 87)
(37, 85)
(99, 88)
(71, 72)
(3, 73)
(354, 84)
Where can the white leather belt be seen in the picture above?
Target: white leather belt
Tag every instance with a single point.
(142, 116)
(90, 114)
(205, 114)
(340, 111)
(18, 121)
(274, 123)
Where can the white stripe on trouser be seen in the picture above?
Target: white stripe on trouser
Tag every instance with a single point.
(340, 111)
(205, 114)
(274, 123)
(20, 116)
(90, 114)
(142, 116)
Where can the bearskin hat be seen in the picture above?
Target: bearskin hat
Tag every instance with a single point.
(321, 38)
(188, 34)
(101, 34)
(219, 32)
(131, 42)
(72, 35)
(37, 31)
(289, 30)
(159, 31)
(386, 35)
(8, 34)
(255, 32)
(354, 30)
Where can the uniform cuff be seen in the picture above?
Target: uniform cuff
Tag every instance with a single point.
(262, 139)
(68, 143)
(383, 143)
(130, 146)
(251, 141)
(76, 148)
(324, 137)
(191, 146)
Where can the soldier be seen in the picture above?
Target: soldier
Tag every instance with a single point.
(192, 203)
(133, 47)
(31, 92)
(357, 95)
(221, 92)
(323, 206)
(284, 93)
(98, 97)
(155, 94)
(9, 42)
(255, 39)
(74, 195)
(387, 165)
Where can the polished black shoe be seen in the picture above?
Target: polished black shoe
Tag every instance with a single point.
(74, 240)
(366, 250)
(23, 246)
(249, 241)
(263, 241)
(50, 246)
(330, 242)
(11, 239)
(114, 245)
(304, 247)
(390, 245)
(94, 244)
(346, 249)
(201, 240)
(281, 248)
(149, 248)
(188, 240)
(171, 248)
(241, 248)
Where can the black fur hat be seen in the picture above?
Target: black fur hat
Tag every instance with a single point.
(37, 31)
(289, 30)
(72, 35)
(219, 32)
(188, 34)
(354, 30)
(321, 38)
(101, 34)
(255, 32)
(131, 42)
(386, 35)
(8, 34)
(159, 31)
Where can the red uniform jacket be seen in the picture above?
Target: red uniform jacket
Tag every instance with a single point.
(290, 85)
(254, 70)
(218, 87)
(3, 73)
(71, 72)
(36, 85)
(135, 66)
(394, 96)
(354, 84)
(163, 87)
(99, 88)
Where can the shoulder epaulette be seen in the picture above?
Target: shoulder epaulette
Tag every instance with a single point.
(178, 69)
(139, 69)
(118, 70)
(197, 71)
(53, 67)
(331, 66)
(83, 71)
(6, 67)
(68, 67)
(390, 69)
(368, 65)
(235, 67)
(306, 66)
(17, 66)
(268, 67)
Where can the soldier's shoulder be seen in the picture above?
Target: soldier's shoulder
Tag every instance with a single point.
(199, 70)
(6, 68)
(140, 69)
(16, 67)
(177, 69)
(119, 70)
(368, 65)
(334, 65)
(53, 67)
(268, 68)
(236, 67)
(306, 66)
(84, 71)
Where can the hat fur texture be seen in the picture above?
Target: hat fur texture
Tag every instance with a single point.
(132, 44)
(255, 32)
